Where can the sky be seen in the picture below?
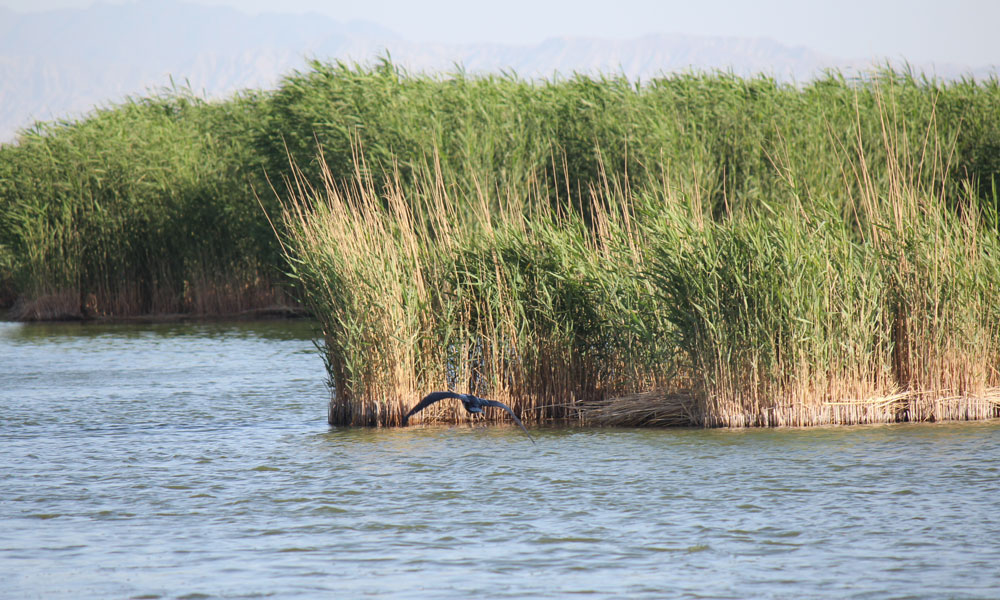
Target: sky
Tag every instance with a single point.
(930, 31)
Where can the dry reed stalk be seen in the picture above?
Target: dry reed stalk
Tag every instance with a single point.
(656, 408)
(53, 306)
(202, 295)
(205, 295)
(661, 408)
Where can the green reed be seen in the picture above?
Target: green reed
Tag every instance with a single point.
(139, 207)
(507, 299)
(152, 205)
(880, 310)
(703, 249)
(657, 302)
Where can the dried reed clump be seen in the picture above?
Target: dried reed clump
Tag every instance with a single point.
(655, 408)
(57, 306)
(211, 296)
(661, 408)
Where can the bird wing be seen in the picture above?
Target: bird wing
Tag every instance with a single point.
(512, 415)
(427, 400)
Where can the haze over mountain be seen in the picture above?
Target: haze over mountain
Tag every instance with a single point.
(62, 63)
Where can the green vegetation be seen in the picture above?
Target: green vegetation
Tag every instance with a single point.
(696, 249)
(144, 207)
(508, 298)
(645, 308)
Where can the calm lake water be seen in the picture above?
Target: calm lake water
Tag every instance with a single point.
(195, 461)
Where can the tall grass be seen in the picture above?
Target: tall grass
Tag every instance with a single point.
(138, 209)
(658, 303)
(700, 249)
(937, 257)
(149, 206)
(813, 314)
(509, 299)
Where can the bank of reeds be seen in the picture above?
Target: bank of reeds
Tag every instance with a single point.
(508, 299)
(149, 206)
(700, 249)
(137, 210)
(871, 303)
(804, 313)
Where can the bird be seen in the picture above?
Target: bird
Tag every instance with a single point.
(473, 404)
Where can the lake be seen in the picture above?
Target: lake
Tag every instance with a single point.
(195, 461)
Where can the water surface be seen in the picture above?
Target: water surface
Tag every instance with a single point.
(194, 461)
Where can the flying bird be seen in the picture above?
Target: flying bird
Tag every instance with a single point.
(473, 404)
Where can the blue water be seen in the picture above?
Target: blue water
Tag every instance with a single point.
(194, 461)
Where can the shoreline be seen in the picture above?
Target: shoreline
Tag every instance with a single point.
(652, 409)
(660, 409)
(655, 409)
(273, 313)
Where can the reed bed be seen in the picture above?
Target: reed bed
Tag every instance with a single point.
(646, 307)
(509, 301)
(700, 249)
(153, 202)
(137, 208)
(815, 315)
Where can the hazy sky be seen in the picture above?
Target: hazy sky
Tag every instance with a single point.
(960, 31)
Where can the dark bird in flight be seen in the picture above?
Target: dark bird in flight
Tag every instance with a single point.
(473, 404)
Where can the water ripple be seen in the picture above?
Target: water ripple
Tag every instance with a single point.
(194, 462)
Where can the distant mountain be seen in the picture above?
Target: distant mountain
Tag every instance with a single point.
(63, 63)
